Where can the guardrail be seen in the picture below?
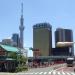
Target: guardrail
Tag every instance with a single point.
(49, 57)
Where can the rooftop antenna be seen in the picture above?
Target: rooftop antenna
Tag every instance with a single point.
(22, 9)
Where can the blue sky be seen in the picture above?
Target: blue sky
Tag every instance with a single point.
(59, 13)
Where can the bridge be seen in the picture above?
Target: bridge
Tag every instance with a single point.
(50, 57)
(59, 44)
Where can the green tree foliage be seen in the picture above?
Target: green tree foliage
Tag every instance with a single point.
(20, 58)
(12, 55)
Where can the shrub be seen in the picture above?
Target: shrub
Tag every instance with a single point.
(21, 68)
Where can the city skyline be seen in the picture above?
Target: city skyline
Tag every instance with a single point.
(57, 13)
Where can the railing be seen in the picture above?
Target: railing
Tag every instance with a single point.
(48, 57)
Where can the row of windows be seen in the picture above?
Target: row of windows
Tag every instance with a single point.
(42, 26)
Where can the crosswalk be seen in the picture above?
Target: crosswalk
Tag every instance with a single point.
(48, 73)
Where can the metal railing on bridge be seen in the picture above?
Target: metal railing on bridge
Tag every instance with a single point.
(50, 57)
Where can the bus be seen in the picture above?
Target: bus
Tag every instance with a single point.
(70, 62)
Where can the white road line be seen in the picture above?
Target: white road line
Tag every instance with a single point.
(68, 73)
(58, 68)
(45, 72)
(54, 72)
(72, 73)
(63, 73)
(36, 73)
(31, 73)
(58, 73)
(40, 72)
(26, 73)
(49, 72)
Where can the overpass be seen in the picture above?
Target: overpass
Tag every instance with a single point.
(59, 44)
(49, 57)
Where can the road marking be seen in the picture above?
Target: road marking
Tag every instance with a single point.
(59, 69)
(31, 73)
(63, 73)
(68, 73)
(45, 72)
(36, 73)
(40, 72)
(54, 72)
(72, 73)
(58, 73)
(26, 73)
(49, 72)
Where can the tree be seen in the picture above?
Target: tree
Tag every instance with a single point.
(20, 59)
(12, 55)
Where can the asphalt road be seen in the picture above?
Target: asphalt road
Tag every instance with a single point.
(53, 70)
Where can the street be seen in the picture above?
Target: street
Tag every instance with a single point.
(53, 70)
(60, 69)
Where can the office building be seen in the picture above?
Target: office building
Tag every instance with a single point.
(7, 41)
(64, 35)
(15, 39)
(42, 39)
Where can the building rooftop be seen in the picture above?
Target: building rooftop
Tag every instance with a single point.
(63, 29)
(42, 25)
(9, 48)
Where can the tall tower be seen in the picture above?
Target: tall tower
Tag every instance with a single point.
(21, 27)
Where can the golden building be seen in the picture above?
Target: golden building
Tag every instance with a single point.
(42, 38)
